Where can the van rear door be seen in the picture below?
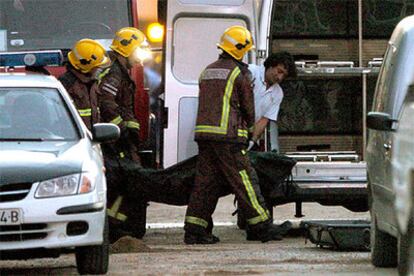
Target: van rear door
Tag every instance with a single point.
(193, 28)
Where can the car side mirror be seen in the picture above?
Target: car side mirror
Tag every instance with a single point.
(104, 132)
(380, 121)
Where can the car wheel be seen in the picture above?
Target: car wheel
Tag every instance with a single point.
(383, 246)
(406, 250)
(411, 259)
(94, 259)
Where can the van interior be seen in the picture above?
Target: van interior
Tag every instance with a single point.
(323, 109)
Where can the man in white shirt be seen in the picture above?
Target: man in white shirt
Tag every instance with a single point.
(268, 94)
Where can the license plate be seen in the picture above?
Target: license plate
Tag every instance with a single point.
(10, 216)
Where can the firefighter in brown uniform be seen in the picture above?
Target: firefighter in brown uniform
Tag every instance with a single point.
(86, 59)
(225, 115)
(116, 102)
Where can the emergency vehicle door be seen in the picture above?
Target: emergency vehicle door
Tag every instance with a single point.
(193, 28)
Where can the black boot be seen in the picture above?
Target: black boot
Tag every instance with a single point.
(268, 232)
(192, 238)
(209, 230)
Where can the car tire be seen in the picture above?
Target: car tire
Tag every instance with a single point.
(406, 250)
(383, 246)
(94, 259)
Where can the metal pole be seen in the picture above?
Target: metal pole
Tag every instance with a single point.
(364, 79)
(364, 113)
(360, 32)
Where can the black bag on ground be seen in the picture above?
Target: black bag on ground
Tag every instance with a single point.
(174, 185)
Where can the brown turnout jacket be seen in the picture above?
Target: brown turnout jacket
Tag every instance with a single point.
(116, 102)
(226, 102)
(83, 91)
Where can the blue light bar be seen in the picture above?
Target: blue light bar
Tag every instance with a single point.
(36, 58)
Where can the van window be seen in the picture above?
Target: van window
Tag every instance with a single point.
(299, 18)
(338, 18)
(323, 105)
(381, 16)
(193, 47)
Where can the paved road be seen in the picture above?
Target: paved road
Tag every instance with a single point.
(163, 252)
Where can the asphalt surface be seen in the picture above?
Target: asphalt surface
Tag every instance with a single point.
(162, 251)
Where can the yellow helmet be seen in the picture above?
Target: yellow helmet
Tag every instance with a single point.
(127, 40)
(87, 54)
(236, 41)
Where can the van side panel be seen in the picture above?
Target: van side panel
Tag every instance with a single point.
(194, 27)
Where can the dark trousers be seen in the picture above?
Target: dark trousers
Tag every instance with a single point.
(222, 167)
(124, 212)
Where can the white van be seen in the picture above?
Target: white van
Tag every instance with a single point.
(328, 144)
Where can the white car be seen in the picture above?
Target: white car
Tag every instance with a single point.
(52, 180)
(403, 182)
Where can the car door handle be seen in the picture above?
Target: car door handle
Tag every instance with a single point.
(387, 146)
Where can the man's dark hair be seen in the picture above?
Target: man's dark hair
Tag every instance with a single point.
(283, 58)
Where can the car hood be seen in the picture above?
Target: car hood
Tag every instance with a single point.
(22, 162)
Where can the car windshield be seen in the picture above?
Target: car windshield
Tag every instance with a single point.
(34, 114)
(52, 24)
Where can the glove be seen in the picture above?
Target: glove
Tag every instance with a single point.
(251, 145)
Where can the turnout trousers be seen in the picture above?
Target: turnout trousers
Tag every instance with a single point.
(223, 167)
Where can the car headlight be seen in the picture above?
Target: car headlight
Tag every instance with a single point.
(65, 185)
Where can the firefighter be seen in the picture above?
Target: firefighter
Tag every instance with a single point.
(86, 61)
(225, 116)
(116, 102)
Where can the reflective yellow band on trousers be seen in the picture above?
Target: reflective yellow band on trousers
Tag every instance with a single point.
(85, 112)
(256, 220)
(225, 112)
(242, 133)
(117, 120)
(114, 210)
(132, 124)
(263, 216)
(197, 221)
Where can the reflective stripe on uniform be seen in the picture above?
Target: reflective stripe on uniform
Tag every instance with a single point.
(114, 210)
(110, 88)
(255, 220)
(242, 133)
(117, 120)
(85, 112)
(225, 113)
(253, 199)
(103, 74)
(214, 74)
(197, 221)
(132, 124)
